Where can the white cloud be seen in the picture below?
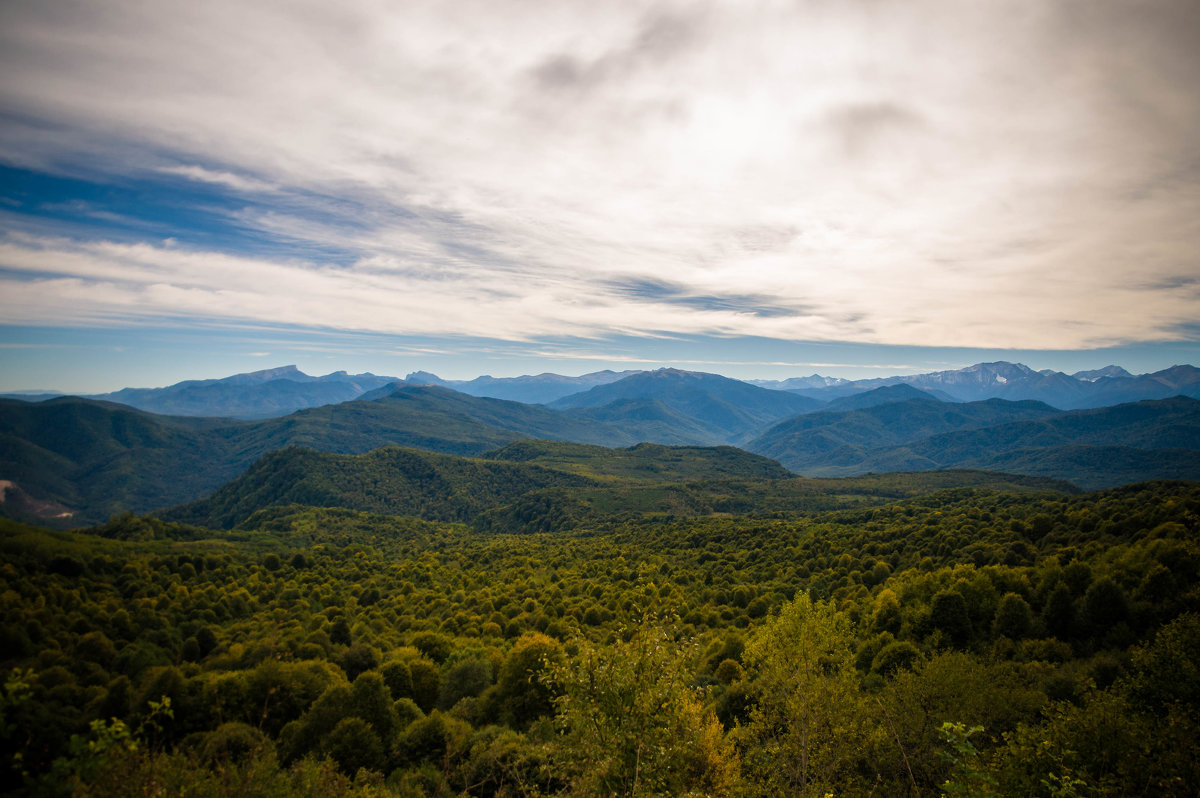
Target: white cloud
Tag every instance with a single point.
(227, 179)
(992, 174)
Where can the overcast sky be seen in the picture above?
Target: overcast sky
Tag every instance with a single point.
(795, 184)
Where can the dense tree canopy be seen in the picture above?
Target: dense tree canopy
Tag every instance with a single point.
(819, 646)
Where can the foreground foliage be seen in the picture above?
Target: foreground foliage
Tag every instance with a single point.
(961, 641)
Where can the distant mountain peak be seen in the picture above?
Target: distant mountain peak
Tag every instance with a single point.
(1000, 368)
(424, 378)
(1113, 372)
(264, 375)
(999, 372)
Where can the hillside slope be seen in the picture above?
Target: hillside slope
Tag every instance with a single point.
(389, 481)
(830, 438)
(1106, 447)
(647, 461)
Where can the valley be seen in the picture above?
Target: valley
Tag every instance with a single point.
(419, 592)
(95, 458)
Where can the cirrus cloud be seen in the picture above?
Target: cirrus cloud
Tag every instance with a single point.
(1002, 175)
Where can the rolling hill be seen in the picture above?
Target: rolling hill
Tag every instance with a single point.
(841, 439)
(647, 461)
(390, 481)
(1091, 448)
(544, 486)
(98, 458)
(71, 460)
(888, 394)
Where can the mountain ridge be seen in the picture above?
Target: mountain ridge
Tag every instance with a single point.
(93, 458)
(730, 406)
(283, 389)
(1093, 448)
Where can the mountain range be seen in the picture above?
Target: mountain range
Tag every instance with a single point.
(279, 391)
(531, 389)
(546, 486)
(76, 459)
(1086, 389)
(727, 408)
(1094, 448)
(258, 394)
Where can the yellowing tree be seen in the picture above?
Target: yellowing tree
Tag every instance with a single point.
(633, 724)
(811, 725)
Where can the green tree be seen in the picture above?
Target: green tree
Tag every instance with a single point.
(339, 632)
(811, 721)
(968, 777)
(894, 656)
(466, 678)
(1013, 619)
(521, 687)
(633, 725)
(398, 678)
(948, 614)
(371, 700)
(353, 745)
(426, 682)
(302, 736)
(1059, 612)
(357, 659)
(1104, 604)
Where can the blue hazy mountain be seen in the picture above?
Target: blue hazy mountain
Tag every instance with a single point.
(1015, 381)
(888, 394)
(256, 394)
(278, 391)
(531, 389)
(812, 443)
(81, 459)
(728, 407)
(1093, 448)
(91, 458)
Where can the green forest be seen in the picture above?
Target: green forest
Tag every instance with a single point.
(557, 620)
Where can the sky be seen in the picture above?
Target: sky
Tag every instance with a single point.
(759, 189)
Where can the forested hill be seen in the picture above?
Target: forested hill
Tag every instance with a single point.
(825, 438)
(70, 461)
(1092, 448)
(390, 481)
(99, 458)
(539, 486)
(649, 461)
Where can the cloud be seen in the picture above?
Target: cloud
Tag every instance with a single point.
(865, 126)
(929, 173)
(227, 179)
